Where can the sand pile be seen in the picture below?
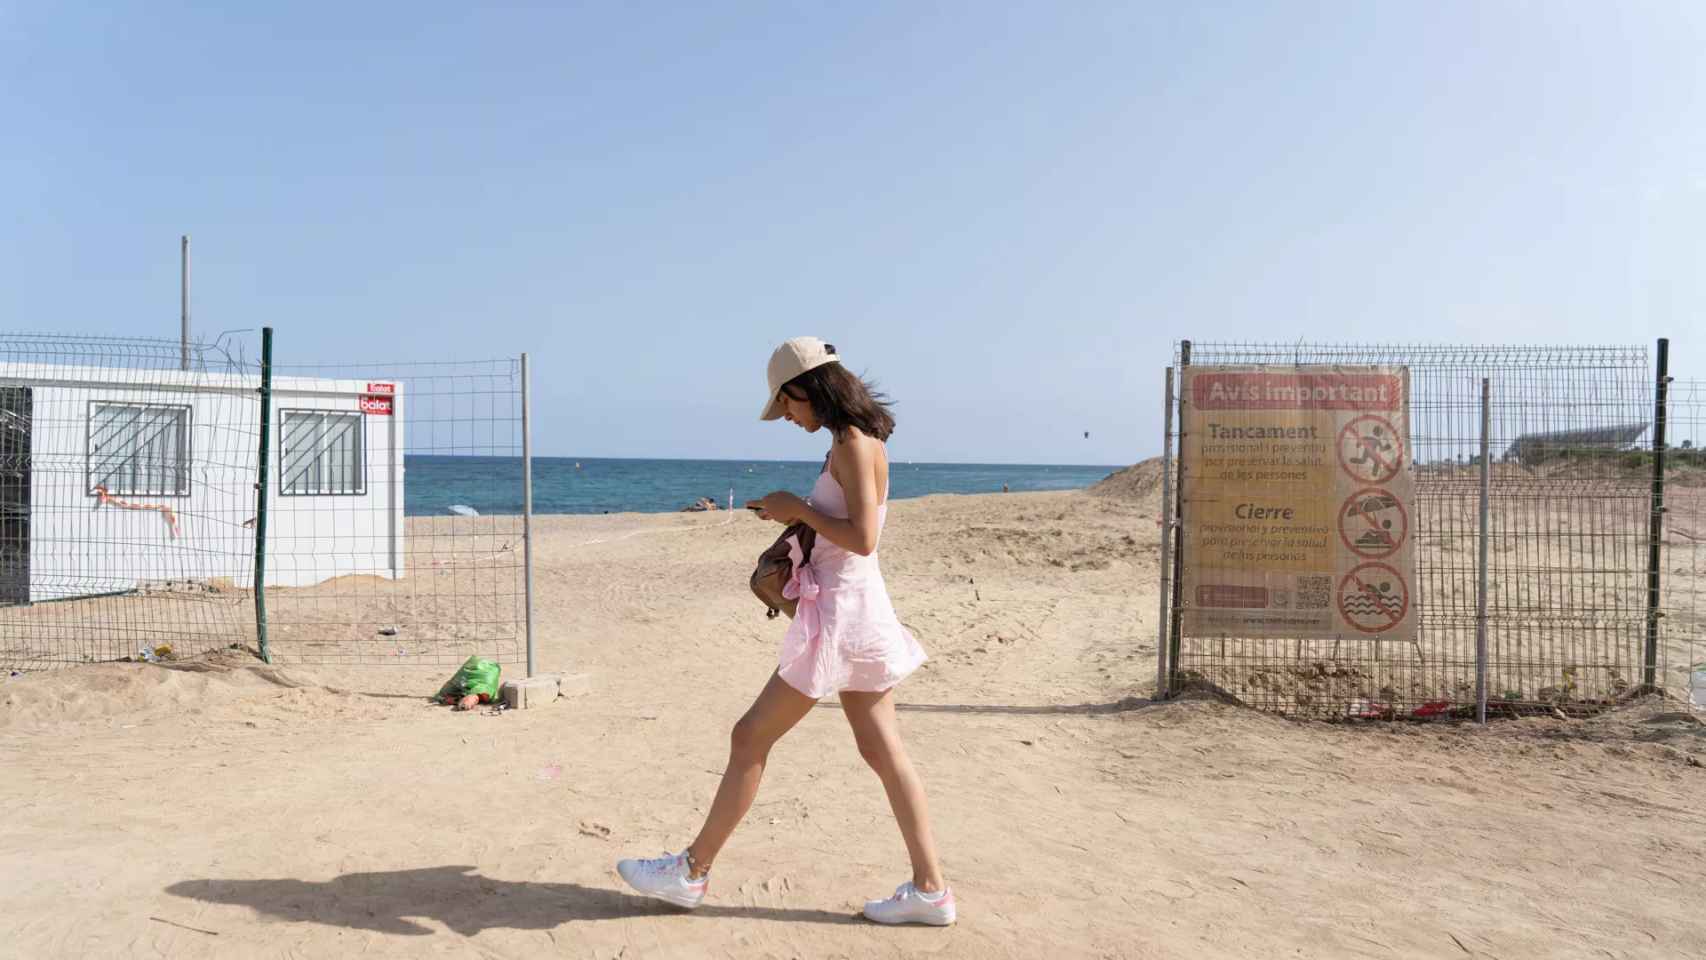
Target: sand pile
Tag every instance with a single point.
(1140, 481)
(132, 693)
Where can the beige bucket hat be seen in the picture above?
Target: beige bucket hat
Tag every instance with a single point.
(791, 359)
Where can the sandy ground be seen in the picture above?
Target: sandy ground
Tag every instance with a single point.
(215, 808)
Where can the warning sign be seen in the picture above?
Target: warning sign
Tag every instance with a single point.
(1298, 496)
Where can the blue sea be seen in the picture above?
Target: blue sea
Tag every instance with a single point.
(492, 485)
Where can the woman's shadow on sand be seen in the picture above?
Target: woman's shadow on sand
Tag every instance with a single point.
(456, 896)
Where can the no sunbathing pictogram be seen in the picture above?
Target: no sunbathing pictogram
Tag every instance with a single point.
(1373, 523)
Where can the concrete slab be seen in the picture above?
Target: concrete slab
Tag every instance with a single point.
(540, 690)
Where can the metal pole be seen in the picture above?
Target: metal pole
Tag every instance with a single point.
(1656, 524)
(1481, 559)
(184, 293)
(527, 507)
(1178, 509)
(1165, 593)
(261, 496)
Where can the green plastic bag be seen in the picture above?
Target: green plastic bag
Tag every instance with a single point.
(478, 676)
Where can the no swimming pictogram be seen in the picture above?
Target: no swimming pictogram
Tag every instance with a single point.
(1373, 598)
(1373, 523)
(1371, 450)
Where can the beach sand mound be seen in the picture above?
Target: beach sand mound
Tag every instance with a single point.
(1140, 481)
(217, 688)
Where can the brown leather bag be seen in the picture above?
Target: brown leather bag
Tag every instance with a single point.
(775, 568)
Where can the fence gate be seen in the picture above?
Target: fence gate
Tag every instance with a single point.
(397, 526)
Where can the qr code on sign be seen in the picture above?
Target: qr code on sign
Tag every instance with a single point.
(1314, 593)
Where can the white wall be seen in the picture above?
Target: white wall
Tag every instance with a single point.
(314, 538)
(81, 547)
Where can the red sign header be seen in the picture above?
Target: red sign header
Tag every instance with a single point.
(382, 389)
(1297, 391)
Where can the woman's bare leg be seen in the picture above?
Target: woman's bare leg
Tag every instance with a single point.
(773, 714)
(877, 732)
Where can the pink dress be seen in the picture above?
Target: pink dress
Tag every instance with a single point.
(844, 635)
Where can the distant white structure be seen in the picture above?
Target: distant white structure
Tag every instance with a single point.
(1532, 448)
(113, 480)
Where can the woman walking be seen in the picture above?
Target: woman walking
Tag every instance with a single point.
(844, 639)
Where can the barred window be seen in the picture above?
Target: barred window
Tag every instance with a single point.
(321, 453)
(139, 449)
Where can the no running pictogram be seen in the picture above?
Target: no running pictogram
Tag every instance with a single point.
(1370, 449)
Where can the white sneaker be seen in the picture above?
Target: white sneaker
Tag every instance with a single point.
(909, 905)
(665, 878)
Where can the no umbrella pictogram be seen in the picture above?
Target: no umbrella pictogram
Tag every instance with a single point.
(1373, 523)
(1371, 449)
(1373, 598)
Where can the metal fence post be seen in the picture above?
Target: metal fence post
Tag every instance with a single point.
(1656, 524)
(1481, 554)
(1165, 593)
(184, 308)
(261, 497)
(1178, 509)
(527, 508)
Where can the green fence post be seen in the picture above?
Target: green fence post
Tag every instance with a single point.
(1656, 522)
(261, 496)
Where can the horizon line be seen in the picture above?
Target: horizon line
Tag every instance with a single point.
(934, 463)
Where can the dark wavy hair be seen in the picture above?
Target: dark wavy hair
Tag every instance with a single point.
(841, 398)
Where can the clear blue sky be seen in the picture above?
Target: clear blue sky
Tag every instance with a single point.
(1005, 212)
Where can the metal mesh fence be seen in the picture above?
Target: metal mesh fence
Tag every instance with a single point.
(1570, 487)
(126, 499)
(129, 514)
(1683, 625)
(395, 534)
